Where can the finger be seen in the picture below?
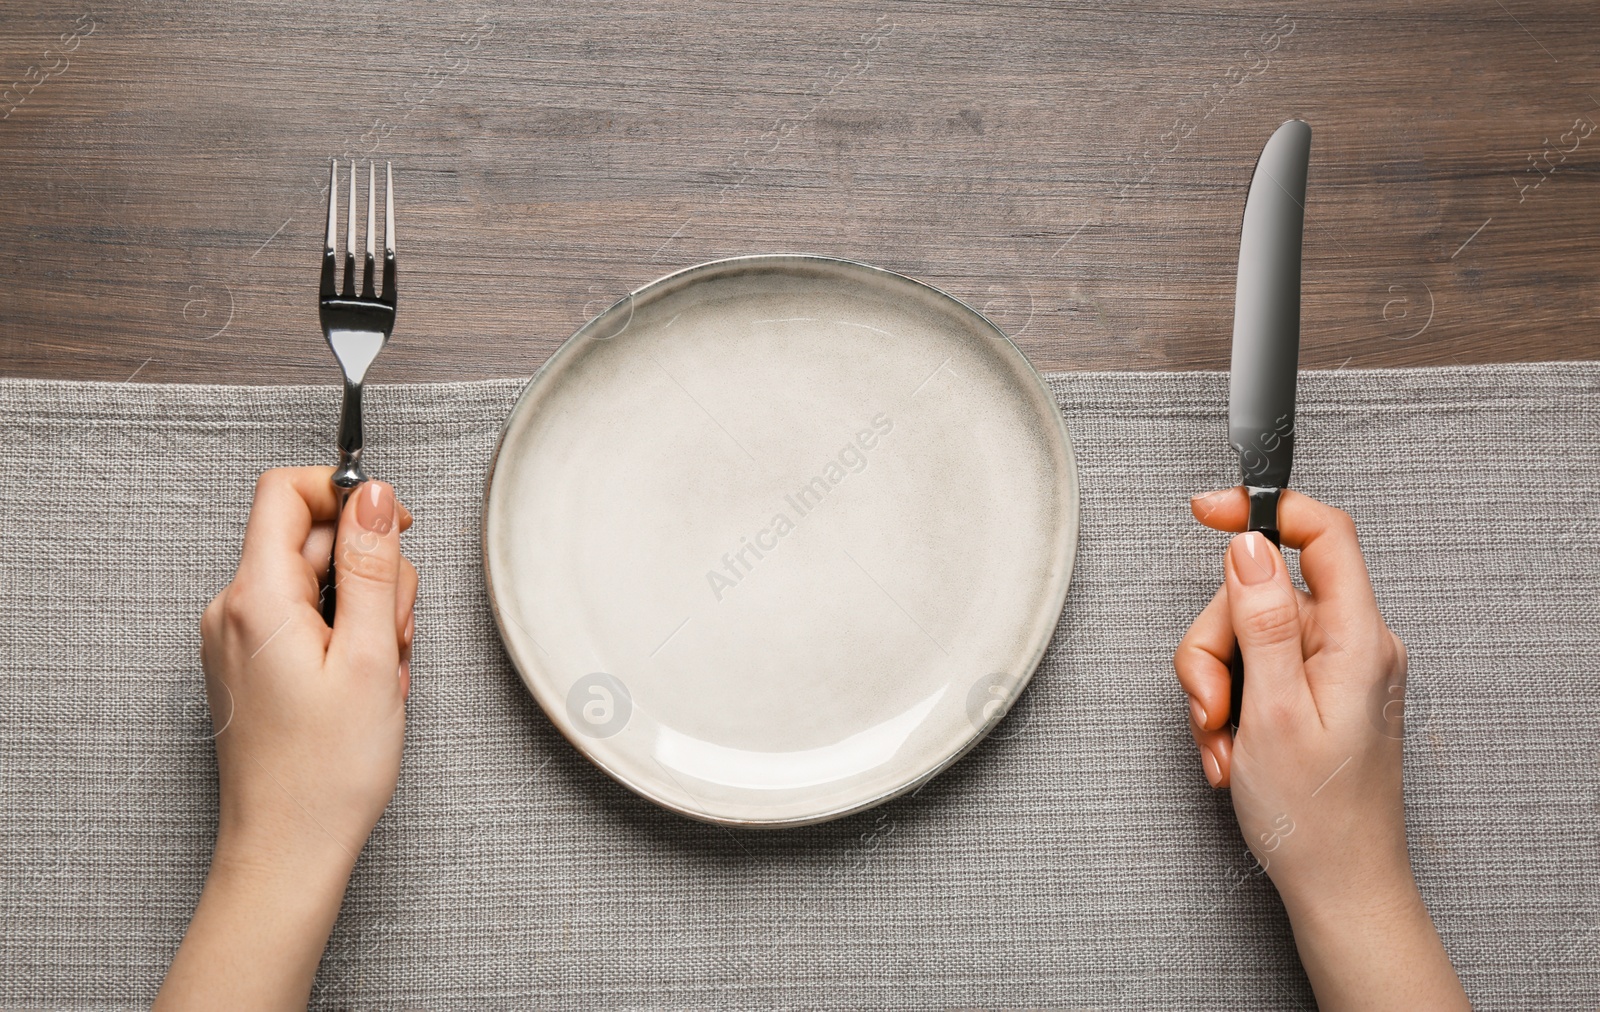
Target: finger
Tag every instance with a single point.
(287, 501)
(367, 571)
(1201, 662)
(405, 598)
(319, 543)
(406, 639)
(319, 546)
(1265, 615)
(1331, 562)
(1226, 509)
(1330, 553)
(1216, 753)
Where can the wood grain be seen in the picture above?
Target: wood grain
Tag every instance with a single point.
(1077, 171)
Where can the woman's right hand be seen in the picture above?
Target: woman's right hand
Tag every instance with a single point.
(1315, 767)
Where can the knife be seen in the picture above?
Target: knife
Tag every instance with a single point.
(1266, 335)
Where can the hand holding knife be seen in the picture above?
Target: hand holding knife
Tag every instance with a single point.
(1266, 335)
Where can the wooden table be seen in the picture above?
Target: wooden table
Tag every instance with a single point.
(1078, 172)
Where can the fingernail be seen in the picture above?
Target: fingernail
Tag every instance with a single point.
(1213, 770)
(1209, 497)
(411, 628)
(1251, 558)
(375, 507)
(1197, 711)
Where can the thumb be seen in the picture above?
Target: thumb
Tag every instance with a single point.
(1266, 620)
(367, 568)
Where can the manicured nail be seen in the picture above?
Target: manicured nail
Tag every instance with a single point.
(1202, 506)
(411, 628)
(1213, 770)
(1197, 711)
(1252, 560)
(375, 507)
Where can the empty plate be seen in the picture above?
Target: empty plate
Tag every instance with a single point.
(776, 538)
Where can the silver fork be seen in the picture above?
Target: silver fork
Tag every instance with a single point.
(356, 328)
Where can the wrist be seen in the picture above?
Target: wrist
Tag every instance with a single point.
(264, 916)
(1371, 906)
(312, 864)
(1349, 881)
(1351, 895)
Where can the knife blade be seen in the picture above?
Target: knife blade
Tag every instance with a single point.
(1266, 335)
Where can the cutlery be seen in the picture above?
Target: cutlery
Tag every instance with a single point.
(356, 328)
(1266, 335)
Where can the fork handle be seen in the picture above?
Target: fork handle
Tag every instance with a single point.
(349, 473)
(346, 477)
(330, 585)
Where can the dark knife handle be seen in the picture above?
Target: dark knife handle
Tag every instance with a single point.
(1263, 518)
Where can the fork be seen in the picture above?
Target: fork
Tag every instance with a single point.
(356, 328)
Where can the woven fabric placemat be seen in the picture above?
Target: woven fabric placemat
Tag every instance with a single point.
(1076, 859)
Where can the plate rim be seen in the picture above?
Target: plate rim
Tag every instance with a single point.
(1059, 597)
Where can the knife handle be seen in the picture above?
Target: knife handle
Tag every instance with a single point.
(1263, 518)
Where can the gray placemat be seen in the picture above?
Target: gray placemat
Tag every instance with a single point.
(1074, 860)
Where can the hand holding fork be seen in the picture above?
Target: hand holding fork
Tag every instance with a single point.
(356, 327)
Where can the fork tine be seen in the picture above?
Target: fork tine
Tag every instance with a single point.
(372, 196)
(350, 238)
(388, 214)
(329, 258)
(372, 199)
(333, 203)
(367, 273)
(388, 234)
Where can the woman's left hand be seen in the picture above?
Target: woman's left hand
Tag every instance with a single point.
(308, 725)
(309, 719)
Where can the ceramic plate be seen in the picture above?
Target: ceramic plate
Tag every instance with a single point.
(777, 538)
